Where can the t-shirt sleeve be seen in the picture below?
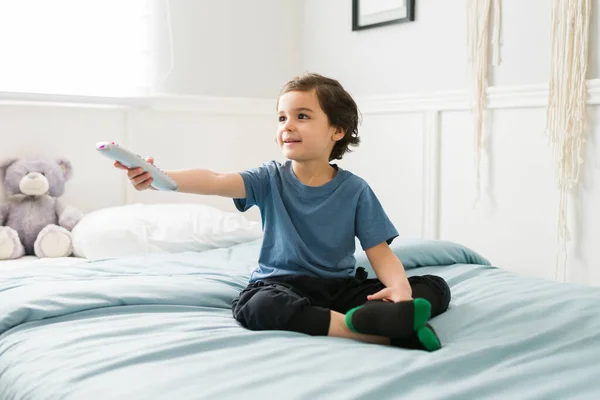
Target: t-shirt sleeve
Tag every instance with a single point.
(372, 223)
(257, 183)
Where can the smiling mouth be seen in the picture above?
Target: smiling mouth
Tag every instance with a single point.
(291, 141)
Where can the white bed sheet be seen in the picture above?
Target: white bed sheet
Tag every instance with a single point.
(33, 261)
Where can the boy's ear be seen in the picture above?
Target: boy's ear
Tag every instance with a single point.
(338, 134)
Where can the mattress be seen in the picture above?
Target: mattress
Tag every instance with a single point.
(160, 327)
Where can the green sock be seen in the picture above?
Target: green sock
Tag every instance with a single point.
(428, 338)
(424, 339)
(381, 318)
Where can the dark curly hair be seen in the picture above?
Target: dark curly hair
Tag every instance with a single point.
(338, 105)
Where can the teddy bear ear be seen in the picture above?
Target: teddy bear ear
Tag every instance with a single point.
(4, 164)
(66, 167)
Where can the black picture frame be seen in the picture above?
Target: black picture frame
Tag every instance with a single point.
(410, 16)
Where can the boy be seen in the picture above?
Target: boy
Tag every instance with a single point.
(311, 212)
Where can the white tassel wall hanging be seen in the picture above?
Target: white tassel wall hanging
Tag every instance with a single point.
(567, 97)
(479, 25)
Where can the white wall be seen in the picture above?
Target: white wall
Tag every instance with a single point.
(177, 136)
(429, 54)
(406, 72)
(233, 56)
(66, 132)
(230, 47)
(224, 52)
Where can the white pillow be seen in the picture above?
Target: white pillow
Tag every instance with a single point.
(159, 228)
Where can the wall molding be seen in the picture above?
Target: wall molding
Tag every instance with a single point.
(65, 100)
(210, 105)
(430, 224)
(499, 97)
(213, 105)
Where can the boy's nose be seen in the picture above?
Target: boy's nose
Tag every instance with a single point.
(288, 126)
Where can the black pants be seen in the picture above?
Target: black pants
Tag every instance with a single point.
(303, 303)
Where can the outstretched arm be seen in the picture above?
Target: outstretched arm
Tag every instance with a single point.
(206, 182)
(196, 181)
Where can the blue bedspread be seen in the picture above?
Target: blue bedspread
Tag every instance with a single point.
(160, 327)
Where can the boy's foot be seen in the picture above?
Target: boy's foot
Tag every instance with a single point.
(424, 339)
(393, 320)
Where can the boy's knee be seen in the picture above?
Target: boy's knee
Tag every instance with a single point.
(437, 288)
(259, 311)
(443, 289)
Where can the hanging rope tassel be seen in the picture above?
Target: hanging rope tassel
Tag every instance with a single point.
(478, 41)
(566, 111)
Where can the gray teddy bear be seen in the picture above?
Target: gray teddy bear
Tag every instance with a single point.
(33, 221)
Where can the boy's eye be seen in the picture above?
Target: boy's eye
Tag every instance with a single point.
(281, 118)
(302, 116)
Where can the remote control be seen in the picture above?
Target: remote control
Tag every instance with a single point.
(161, 181)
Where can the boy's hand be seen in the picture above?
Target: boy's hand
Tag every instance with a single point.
(139, 179)
(392, 294)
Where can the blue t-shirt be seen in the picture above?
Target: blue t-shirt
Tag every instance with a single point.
(311, 230)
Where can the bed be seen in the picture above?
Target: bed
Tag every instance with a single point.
(28, 261)
(159, 326)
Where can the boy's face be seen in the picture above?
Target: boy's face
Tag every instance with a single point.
(304, 133)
